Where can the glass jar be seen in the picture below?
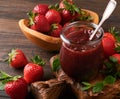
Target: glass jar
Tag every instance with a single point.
(81, 58)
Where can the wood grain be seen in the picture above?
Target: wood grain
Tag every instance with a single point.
(11, 11)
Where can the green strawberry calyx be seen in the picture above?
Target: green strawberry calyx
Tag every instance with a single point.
(54, 26)
(116, 35)
(71, 7)
(38, 60)
(31, 16)
(12, 55)
(5, 78)
(56, 7)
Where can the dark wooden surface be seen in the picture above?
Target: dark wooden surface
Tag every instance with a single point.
(11, 11)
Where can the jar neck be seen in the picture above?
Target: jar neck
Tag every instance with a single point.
(79, 33)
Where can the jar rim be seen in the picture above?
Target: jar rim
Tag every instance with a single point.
(80, 23)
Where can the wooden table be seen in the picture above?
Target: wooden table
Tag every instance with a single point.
(11, 11)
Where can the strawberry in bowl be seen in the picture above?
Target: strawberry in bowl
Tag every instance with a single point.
(38, 28)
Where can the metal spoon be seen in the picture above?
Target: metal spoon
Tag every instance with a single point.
(108, 11)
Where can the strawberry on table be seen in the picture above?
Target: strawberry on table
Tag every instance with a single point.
(109, 35)
(34, 71)
(15, 86)
(111, 42)
(41, 9)
(53, 16)
(117, 57)
(55, 30)
(108, 46)
(17, 58)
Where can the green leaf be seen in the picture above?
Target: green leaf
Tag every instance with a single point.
(117, 49)
(4, 78)
(86, 83)
(56, 64)
(98, 87)
(118, 38)
(38, 60)
(11, 78)
(112, 30)
(2, 86)
(75, 8)
(115, 33)
(108, 64)
(113, 59)
(56, 6)
(31, 16)
(4, 75)
(71, 7)
(12, 55)
(54, 26)
(109, 80)
(86, 86)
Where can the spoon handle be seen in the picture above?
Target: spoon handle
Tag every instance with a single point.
(108, 11)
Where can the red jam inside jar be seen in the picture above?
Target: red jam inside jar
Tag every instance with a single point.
(81, 58)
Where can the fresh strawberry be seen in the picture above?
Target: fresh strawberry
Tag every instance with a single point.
(113, 43)
(16, 87)
(34, 71)
(17, 58)
(66, 16)
(56, 29)
(35, 27)
(108, 46)
(109, 35)
(42, 22)
(53, 16)
(62, 5)
(117, 56)
(38, 22)
(41, 9)
(115, 36)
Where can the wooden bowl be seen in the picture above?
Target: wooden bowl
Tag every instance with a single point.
(44, 41)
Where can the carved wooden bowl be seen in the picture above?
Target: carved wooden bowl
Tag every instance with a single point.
(44, 41)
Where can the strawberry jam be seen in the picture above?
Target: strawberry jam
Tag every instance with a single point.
(80, 58)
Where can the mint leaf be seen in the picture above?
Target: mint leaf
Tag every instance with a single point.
(98, 87)
(86, 86)
(113, 59)
(109, 80)
(56, 64)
